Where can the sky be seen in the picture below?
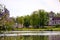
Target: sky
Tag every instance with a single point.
(26, 7)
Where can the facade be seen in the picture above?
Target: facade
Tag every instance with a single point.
(53, 20)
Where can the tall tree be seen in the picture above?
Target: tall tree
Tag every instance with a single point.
(43, 17)
(34, 21)
(27, 21)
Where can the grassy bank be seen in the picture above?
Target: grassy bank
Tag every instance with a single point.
(39, 29)
(48, 28)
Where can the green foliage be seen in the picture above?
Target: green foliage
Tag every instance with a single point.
(27, 21)
(57, 26)
(20, 20)
(39, 18)
(9, 24)
(43, 18)
(34, 21)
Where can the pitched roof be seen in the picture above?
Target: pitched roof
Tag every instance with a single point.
(6, 10)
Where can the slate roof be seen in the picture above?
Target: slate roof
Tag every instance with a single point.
(6, 11)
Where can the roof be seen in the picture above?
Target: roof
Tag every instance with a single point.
(56, 18)
(6, 11)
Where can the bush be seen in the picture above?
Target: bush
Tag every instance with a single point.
(57, 26)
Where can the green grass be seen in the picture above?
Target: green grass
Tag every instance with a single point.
(47, 28)
(39, 29)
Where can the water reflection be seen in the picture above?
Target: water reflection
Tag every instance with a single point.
(25, 38)
(32, 37)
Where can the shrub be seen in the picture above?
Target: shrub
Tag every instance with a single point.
(57, 26)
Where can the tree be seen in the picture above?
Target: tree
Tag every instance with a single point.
(43, 18)
(9, 24)
(20, 20)
(6, 22)
(58, 15)
(34, 21)
(27, 21)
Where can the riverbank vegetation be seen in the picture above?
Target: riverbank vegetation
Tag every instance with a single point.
(38, 29)
(38, 20)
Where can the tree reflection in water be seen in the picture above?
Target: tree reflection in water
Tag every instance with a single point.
(25, 38)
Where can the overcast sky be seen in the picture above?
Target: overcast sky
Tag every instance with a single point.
(26, 7)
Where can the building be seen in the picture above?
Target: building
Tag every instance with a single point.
(4, 12)
(53, 20)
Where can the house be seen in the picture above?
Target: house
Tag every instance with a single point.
(4, 15)
(53, 20)
(4, 12)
